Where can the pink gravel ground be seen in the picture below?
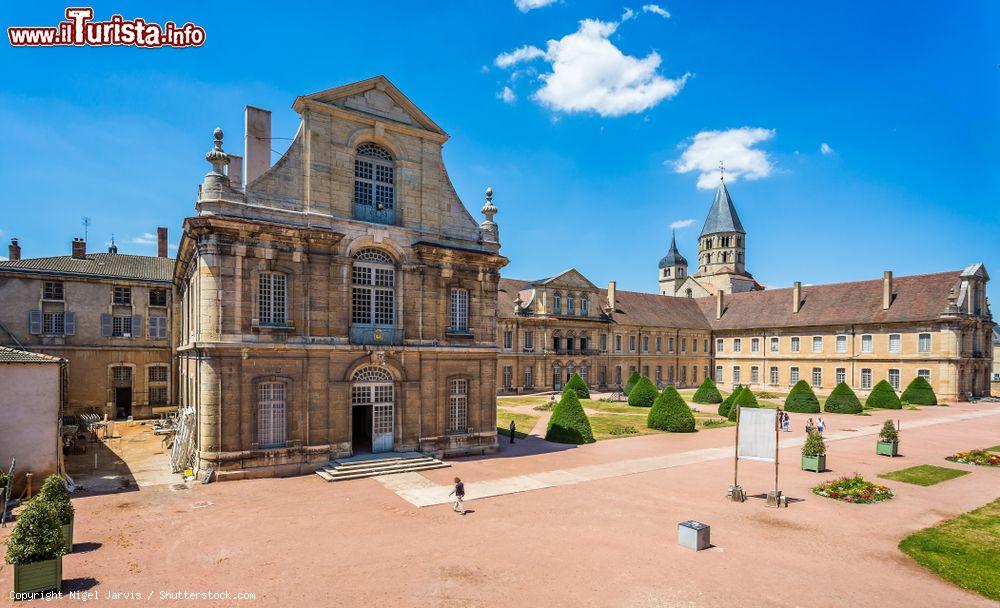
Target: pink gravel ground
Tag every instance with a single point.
(613, 542)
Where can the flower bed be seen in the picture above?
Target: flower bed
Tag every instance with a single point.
(980, 457)
(853, 489)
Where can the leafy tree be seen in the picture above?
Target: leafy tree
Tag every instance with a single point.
(744, 398)
(888, 434)
(883, 396)
(842, 401)
(643, 394)
(919, 392)
(728, 401)
(569, 423)
(55, 493)
(670, 413)
(814, 445)
(802, 399)
(707, 393)
(632, 380)
(37, 536)
(577, 384)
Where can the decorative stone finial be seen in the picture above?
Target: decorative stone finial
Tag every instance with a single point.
(219, 159)
(489, 228)
(489, 209)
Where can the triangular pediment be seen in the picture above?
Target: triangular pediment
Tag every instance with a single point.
(568, 278)
(377, 97)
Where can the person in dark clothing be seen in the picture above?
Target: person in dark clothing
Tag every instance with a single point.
(513, 430)
(459, 492)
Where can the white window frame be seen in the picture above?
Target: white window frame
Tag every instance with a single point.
(840, 375)
(922, 339)
(793, 375)
(529, 340)
(796, 344)
(458, 405)
(508, 339)
(773, 375)
(893, 377)
(775, 345)
(754, 374)
(817, 377)
(817, 344)
(529, 380)
(755, 345)
(866, 378)
(867, 343)
(841, 344)
(895, 343)
(737, 345)
(924, 373)
(272, 419)
(719, 374)
(272, 299)
(121, 326)
(460, 310)
(508, 376)
(736, 374)
(720, 345)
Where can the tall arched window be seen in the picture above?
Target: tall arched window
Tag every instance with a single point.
(374, 185)
(373, 297)
(271, 419)
(373, 387)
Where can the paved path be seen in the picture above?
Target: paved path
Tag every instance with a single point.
(422, 492)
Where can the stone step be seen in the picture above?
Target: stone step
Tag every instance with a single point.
(331, 474)
(350, 464)
(381, 468)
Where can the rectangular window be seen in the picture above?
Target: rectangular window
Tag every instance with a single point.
(458, 405)
(737, 345)
(618, 344)
(557, 304)
(754, 374)
(158, 373)
(925, 374)
(924, 343)
(659, 344)
(736, 374)
(157, 395)
(719, 345)
(866, 344)
(585, 307)
(508, 376)
(841, 344)
(894, 378)
(645, 344)
(684, 345)
(53, 290)
(604, 343)
(793, 376)
(774, 345)
(694, 372)
(670, 345)
(774, 375)
(529, 380)
(895, 343)
(755, 345)
(121, 375)
(631, 344)
(866, 378)
(121, 327)
(795, 344)
(570, 305)
(817, 377)
(271, 415)
(272, 301)
(659, 373)
(556, 343)
(670, 374)
(508, 339)
(817, 344)
(718, 374)
(684, 375)
(841, 375)
(529, 340)
(460, 311)
(618, 374)
(122, 295)
(157, 327)
(53, 324)
(157, 297)
(602, 375)
(645, 370)
(569, 343)
(705, 344)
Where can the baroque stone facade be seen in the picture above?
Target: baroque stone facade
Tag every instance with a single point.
(344, 301)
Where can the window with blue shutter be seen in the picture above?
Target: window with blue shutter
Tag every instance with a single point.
(34, 322)
(136, 326)
(106, 325)
(69, 323)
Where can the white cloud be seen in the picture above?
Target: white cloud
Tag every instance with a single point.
(146, 239)
(825, 149)
(590, 74)
(524, 53)
(527, 5)
(656, 9)
(628, 14)
(507, 95)
(681, 224)
(734, 147)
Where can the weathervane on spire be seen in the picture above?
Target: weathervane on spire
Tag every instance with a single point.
(722, 172)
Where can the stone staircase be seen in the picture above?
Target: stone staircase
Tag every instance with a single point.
(370, 465)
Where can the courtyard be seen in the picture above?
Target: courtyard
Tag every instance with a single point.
(591, 525)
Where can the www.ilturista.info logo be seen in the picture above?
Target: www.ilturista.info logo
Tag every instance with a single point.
(80, 29)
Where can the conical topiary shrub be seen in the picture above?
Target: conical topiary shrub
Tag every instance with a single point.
(569, 423)
(707, 393)
(883, 396)
(577, 384)
(745, 398)
(919, 392)
(670, 413)
(643, 394)
(842, 401)
(37, 536)
(631, 382)
(728, 401)
(801, 399)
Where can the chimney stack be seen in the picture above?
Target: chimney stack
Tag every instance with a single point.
(719, 304)
(79, 248)
(796, 296)
(234, 170)
(257, 142)
(886, 289)
(612, 294)
(161, 242)
(13, 250)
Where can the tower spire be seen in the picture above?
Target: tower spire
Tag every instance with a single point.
(722, 172)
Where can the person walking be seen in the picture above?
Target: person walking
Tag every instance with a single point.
(513, 430)
(820, 425)
(809, 425)
(459, 493)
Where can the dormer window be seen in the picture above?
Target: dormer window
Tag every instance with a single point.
(374, 185)
(584, 307)
(557, 304)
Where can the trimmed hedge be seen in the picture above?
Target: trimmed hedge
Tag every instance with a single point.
(728, 402)
(577, 384)
(842, 401)
(632, 380)
(801, 399)
(643, 394)
(707, 393)
(919, 392)
(744, 398)
(670, 413)
(883, 396)
(569, 423)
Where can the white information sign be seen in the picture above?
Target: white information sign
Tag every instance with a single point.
(757, 437)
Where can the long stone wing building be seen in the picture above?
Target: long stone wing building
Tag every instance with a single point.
(344, 301)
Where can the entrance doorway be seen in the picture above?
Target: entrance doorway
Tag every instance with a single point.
(361, 428)
(373, 419)
(123, 401)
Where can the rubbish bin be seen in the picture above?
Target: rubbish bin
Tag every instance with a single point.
(693, 535)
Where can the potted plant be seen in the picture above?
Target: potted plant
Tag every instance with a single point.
(888, 440)
(35, 549)
(54, 492)
(814, 453)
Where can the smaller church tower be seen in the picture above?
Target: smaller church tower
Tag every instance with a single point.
(673, 269)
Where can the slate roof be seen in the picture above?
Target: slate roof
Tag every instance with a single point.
(673, 257)
(13, 355)
(105, 265)
(722, 216)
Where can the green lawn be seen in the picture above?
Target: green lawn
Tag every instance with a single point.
(924, 474)
(523, 422)
(964, 550)
(626, 425)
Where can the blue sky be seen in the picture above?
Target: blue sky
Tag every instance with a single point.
(585, 153)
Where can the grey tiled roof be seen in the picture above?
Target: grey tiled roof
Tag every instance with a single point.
(673, 257)
(13, 355)
(722, 216)
(110, 265)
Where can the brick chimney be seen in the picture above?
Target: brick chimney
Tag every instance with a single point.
(79, 248)
(161, 242)
(719, 304)
(886, 289)
(612, 294)
(13, 250)
(257, 143)
(796, 296)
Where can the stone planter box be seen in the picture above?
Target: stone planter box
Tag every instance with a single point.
(67, 532)
(38, 577)
(887, 448)
(816, 464)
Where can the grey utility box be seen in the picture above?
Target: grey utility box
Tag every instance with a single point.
(693, 535)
